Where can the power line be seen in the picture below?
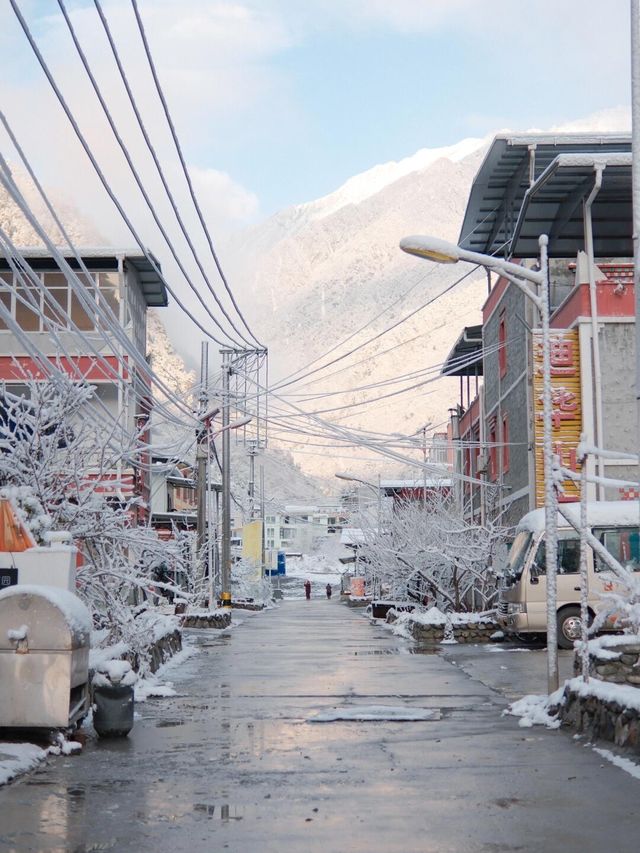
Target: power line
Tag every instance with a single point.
(185, 170)
(158, 166)
(87, 148)
(134, 171)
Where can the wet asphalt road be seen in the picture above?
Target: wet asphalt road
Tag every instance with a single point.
(233, 763)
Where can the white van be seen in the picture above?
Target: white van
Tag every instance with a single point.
(522, 606)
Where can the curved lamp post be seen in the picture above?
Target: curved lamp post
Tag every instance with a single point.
(442, 252)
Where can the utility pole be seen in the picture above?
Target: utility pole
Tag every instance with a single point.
(202, 454)
(252, 450)
(263, 519)
(226, 482)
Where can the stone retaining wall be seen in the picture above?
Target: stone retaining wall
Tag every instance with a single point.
(600, 719)
(207, 620)
(159, 651)
(464, 632)
(620, 666)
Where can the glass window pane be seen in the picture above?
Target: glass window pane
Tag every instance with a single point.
(27, 316)
(623, 543)
(568, 555)
(5, 298)
(57, 297)
(79, 315)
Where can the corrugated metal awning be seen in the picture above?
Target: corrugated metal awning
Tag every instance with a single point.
(512, 164)
(554, 205)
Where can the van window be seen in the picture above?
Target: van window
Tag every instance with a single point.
(568, 554)
(517, 555)
(623, 543)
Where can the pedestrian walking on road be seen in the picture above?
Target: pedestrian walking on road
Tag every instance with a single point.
(307, 589)
(329, 590)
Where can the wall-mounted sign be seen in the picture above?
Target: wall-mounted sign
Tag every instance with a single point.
(566, 401)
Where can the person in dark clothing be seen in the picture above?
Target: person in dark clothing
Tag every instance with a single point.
(307, 590)
(329, 590)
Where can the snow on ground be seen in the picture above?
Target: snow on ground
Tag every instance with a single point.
(533, 710)
(625, 764)
(372, 713)
(18, 758)
(154, 686)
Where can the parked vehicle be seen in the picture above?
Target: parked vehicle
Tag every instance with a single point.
(522, 607)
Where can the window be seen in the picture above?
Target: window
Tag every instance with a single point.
(493, 450)
(623, 543)
(502, 344)
(505, 443)
(568, 555)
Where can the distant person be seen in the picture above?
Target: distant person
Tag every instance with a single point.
(307, 590)
(329, 590)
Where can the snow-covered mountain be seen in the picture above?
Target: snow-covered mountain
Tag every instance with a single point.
(321, 271)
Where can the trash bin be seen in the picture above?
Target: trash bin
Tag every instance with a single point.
(113, 699)
(44, 657)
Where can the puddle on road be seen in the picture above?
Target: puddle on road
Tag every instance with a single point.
(224, 811)
(423, 650)
(378, 652)
(168, 724)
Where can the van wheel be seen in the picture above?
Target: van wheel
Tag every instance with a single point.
(569, 627)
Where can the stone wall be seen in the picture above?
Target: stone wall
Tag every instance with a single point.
(600, 719)
(216, 619)
(618, 665)
(158, 652)
(463, 632)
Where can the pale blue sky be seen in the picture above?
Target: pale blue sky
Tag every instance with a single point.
(289, 99)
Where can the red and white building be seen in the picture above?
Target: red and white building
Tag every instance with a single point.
(125, 281)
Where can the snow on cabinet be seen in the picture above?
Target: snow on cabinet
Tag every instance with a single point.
(44, 657)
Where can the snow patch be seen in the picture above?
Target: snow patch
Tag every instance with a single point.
(116, 673)
(625, 764)
(533, 710)
(153, 686)
(17, 758)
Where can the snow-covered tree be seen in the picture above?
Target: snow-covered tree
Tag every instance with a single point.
(59, 463)
(433, 553)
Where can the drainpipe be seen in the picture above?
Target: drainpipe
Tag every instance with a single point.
(595, 343)
(635, 180)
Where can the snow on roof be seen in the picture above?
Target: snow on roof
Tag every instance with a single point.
(352, 536)
(439, 483)
(624, 513)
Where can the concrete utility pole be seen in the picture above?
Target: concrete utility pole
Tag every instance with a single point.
(225, 571)
(202, 454)
(262, 516)
(252, 450)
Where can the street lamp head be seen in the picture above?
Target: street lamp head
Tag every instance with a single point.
(431, 248)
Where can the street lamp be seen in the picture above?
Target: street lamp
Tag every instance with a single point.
(442, 252)
(378, 491)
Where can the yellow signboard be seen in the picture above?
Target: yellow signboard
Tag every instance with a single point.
(566, 402)
(252, 541)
